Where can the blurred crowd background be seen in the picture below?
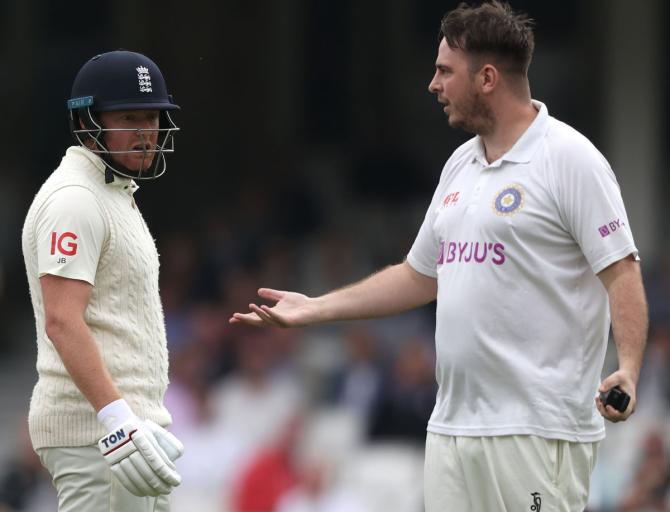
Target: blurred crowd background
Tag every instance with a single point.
(309, 150)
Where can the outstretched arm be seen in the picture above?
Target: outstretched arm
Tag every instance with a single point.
(392, 290)
(628, 310)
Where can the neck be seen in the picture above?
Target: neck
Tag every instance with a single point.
(511, 121)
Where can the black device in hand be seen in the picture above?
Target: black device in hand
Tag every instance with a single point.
(617, 398)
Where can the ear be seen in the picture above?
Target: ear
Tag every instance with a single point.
(488, 78)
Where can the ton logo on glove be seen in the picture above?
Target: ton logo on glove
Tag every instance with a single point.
(112, 439)
(140, 453)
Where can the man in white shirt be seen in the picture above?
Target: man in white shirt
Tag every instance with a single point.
(96, 415)
(526, 247)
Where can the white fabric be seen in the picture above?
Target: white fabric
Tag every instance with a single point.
(522, 319)
(84, 483)
(506, 474)
(70, 231)
(115, 413)
(124, 312)
(137, 459)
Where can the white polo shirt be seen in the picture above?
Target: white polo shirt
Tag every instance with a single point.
(522, 318)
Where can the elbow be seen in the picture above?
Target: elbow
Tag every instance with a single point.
(56, 328)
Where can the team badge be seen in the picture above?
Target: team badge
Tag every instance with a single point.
(143, 79)
(509, 200)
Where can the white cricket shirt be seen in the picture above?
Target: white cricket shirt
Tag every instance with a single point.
(80, 227)
(522, 318)
(70, 230)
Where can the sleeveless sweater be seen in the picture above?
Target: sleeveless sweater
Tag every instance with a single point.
(124, 314)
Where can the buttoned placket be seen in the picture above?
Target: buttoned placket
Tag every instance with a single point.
(484, 175)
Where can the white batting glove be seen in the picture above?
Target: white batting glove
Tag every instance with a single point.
(140, 453)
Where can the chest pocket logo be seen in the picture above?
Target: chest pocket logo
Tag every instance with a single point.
(509, 200)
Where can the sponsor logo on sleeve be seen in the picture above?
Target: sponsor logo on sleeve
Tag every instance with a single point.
(63, 244)
(610, 227)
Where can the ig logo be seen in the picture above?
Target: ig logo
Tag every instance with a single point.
(58, 242)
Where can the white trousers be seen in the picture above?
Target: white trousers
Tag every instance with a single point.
(506, 474)
(85, 483)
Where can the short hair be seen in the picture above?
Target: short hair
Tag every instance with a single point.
(491, 30)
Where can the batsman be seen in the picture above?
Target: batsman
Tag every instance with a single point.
(97, 419)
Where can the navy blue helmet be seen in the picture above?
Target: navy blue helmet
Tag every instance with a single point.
(121, 80)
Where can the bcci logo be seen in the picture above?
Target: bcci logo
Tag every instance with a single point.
(143, 79)
(509, 200)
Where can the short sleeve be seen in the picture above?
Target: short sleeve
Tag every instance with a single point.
(70, 231)
(593, 210)
(424, 253)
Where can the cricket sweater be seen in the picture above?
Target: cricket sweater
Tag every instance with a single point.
(125, 315)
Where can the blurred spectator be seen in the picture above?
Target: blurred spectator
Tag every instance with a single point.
(322, 453)
(407, 395)
(24, 483)
(242, 416)
(316, 494)
(657, 285)
(187, 394)
(356, 384)
(253, 405)
(650, 489)
(654, 387)
(270, 475)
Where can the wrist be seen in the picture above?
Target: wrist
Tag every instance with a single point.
(115, 414)
(321, 312)
(631, 371)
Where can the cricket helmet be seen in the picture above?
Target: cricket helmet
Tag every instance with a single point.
(121, 80)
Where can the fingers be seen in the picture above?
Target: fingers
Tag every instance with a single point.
(265, 313)
(609, 383)
(622, 379)
(246, 318)
(260, 315)
(610, 413)
(127, 482)
(269, 293)
(167, 441)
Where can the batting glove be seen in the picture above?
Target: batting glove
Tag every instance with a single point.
(140, 453)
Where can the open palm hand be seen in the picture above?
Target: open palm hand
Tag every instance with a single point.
(290, 310)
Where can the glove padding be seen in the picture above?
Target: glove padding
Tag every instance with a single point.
(141, 454)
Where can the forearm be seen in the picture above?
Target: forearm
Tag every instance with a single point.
(392, 290)
(628, 310)
(80, 355)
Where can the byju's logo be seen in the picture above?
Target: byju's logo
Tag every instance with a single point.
(610, 227)
(537, 502)
(475, 252)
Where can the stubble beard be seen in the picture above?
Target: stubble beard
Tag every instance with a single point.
(476, 116)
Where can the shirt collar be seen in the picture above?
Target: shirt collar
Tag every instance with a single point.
(524, 148)
(98, 166)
